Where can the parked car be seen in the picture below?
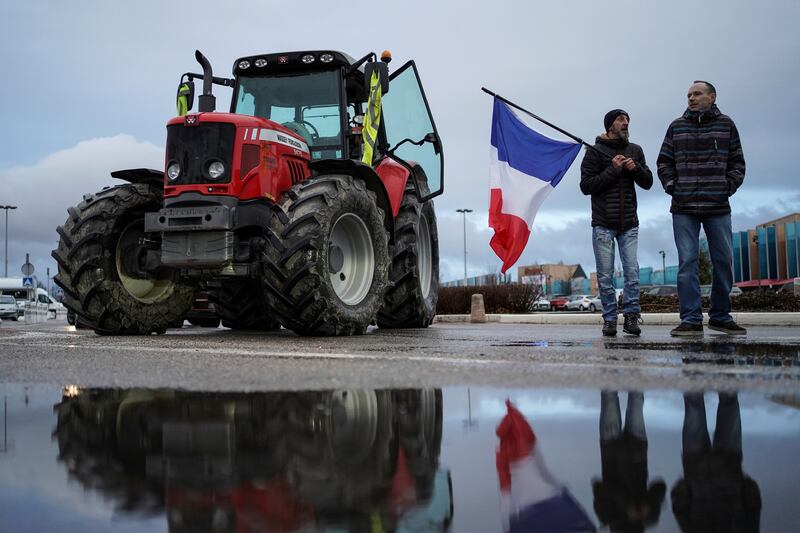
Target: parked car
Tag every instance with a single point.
(558, 303)
(581, 302)
(792, 287)
(8, 307)
(664, 290)
(203, 313)
(705, 291)
(541, 304)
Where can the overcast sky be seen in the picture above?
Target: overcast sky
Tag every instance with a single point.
(88, 87)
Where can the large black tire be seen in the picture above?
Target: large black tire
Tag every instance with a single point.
(243, 306)
(326, 263)
(420, 417)
(95, 246)
(410, 301)
(345, 450)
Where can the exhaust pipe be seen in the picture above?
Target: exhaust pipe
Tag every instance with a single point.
(206, 101)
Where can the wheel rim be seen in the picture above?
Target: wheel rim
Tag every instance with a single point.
(351, 259)
(149, 289)
(352, 424)
(424, 255)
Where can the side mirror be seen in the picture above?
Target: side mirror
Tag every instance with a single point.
(185, 97)
(383, 74)
(433, 138)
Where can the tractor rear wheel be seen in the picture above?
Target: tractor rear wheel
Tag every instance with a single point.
(326, 263)
(99, 257)
(411, 300)
(243, 306)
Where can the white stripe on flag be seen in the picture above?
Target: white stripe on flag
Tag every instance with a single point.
(522, 194)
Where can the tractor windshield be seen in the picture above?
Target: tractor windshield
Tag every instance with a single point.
(308, 104)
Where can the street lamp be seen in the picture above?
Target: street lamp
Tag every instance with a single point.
(663, 265)
(7, 207)
(464, 212)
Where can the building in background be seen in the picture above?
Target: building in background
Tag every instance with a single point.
(769, 254)
(555, 278)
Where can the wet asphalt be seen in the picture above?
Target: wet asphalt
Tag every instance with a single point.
(444, 355)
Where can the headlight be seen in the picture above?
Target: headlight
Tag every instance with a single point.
(260, 62)
(244, 64)
(326, 58)
(307, 59)
(173, 171)
(216, 169)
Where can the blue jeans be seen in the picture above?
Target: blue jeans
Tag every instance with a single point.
(603, 244)
(720, 247)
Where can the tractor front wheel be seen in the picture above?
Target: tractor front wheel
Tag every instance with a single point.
(100, 256)
(326, 263)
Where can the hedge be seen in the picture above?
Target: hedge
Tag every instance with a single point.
(518, 298)
(509, 298)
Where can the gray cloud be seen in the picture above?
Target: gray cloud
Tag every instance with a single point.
(91, 70)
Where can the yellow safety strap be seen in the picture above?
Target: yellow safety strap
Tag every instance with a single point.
(376, 523)
(183, 99)
(373, 119)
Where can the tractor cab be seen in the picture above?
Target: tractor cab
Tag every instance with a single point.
(324, 98)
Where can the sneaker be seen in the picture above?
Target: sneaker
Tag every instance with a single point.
(631, 324)
(610, 328)
(687, 330)
(730, 327)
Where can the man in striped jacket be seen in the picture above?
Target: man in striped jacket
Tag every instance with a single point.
(701, 165)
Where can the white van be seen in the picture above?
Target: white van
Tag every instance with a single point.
(53, 307)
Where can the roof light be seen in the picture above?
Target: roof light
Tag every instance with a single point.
(326, 58)
(308, 59)
(386, 56)
(260, 62)
(244, 64)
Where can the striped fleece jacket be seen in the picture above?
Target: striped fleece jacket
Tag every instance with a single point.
(701, 163)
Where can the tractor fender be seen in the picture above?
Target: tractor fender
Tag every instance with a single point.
(154, 178)
(386, 195)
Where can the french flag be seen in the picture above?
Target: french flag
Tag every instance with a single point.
(525, 167)
(531, 499)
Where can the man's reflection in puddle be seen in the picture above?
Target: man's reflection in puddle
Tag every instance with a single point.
(622, 499)
(714, 493)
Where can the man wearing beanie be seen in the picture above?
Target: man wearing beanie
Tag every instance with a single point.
(701, 165)
(610, 173)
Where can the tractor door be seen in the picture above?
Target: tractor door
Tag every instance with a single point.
(411, 133)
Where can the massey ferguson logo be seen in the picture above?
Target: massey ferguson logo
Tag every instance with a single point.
(190, 120)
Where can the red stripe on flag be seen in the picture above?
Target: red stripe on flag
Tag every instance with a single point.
(510, 232)
(517, 441)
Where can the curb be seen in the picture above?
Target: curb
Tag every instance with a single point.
(651, 319)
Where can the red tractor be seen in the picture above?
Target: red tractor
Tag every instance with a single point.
(308, 205)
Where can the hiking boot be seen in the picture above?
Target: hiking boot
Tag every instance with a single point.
(730, 327)
(631, 324)
(610, 328)
(687, 330)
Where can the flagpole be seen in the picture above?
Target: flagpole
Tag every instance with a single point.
(540, 119)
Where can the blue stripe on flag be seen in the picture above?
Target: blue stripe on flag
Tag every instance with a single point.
(527, 150)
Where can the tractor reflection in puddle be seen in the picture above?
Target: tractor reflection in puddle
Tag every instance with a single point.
(278, 461)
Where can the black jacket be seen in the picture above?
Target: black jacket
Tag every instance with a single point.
(613, 193)
(701, 162)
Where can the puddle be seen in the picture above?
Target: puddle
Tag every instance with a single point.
(79, 459)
